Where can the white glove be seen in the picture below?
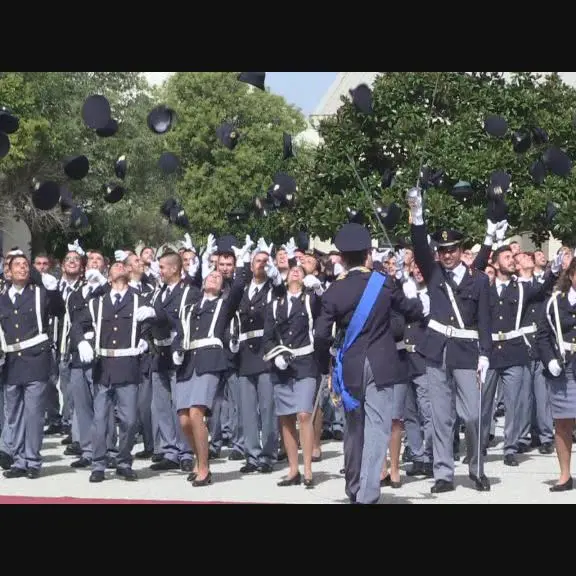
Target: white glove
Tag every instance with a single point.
(193, 267)
(482, 370)
(50, 283)
(75, 247)
(142, 344)
(377, 256)
(94, 276)
(400, 255)
(410, 289)
(155, 269)
(414, 200)
(425, 299)
(85, 352)
(145, 312)
(554, 367)
(273, 273)
(556, 266)
(500, 232)
(290, 248)
(210, 247)
(178, 358)
(2, 360)
(491, 228)
(120, 255)
(313, 282)
(188, 242)
(280, 362)
(261, 246)
(338, 269)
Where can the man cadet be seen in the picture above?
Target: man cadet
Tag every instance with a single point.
(24, 315)
(367, 366)
(457, 347)
(116, 318)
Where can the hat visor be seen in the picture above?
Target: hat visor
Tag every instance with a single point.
(441, 245)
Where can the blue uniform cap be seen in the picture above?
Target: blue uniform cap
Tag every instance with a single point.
(353, 237)
(447, 238)
(256, 79)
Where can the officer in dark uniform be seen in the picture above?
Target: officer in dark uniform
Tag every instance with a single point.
(457, 346)
(168, 302)
(369, 366)
(116, 318)
(24, 315)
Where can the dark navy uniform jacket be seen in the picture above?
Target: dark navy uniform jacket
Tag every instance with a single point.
(473, 298)
(197, 318)
(545, 336)
(532, 315)
(376, 341)
(252, 314)
(292, 331)
(398, 324)
(116, 333)
(414, 336)
(19, 322)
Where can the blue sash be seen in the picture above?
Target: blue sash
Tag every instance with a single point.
(369, 296)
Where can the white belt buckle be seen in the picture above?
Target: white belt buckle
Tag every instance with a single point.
(449, 331)
(501, 337)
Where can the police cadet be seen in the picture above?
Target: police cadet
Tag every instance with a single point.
(199, 353)
(116, 318)
(509, 299)
(168, 303)
(457, 346)
(288, 344)
(556, 341)
(367, 364)
(24, 315)
(263, 283)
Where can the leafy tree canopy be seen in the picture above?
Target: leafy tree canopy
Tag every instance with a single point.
(447, 132)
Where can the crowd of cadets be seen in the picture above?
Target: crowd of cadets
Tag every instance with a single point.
(188, 353)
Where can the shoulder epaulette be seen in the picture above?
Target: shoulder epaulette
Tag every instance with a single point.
(342, 276)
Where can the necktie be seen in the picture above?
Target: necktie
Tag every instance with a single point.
(451, 276)
(118, 297)
(293, 300)
(255, 292)
(167, 294)
(17, 297)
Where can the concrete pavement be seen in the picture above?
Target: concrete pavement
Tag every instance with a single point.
(527, 483)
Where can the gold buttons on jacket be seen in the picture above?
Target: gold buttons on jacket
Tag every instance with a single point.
(115, 328)
(113, 341)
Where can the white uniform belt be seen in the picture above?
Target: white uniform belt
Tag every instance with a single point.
(204, 343)
(528, 329)
(295, 352)
(30, 343)
(505, 336)
(400, 345)
(451, 331)
(404, 346)
(304, 351)
(411, 348)
(89, 336)
(249, 335)
(570, 347)
(118, 353)
(165, 342)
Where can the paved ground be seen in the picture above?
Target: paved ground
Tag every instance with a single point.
(527, 483)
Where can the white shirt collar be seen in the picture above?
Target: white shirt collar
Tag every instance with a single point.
(15, 290)
(458, 272)
(572, 296)
(113, 293)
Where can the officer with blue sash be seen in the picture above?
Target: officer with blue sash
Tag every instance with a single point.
(366, 366)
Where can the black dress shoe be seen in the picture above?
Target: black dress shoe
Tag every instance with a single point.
(82, 463)
(236, 456)
(205, 482)
(420, 469)
(524, 448)
(546, 448)
(388, 482)
(66, 441)
(97, 476)
(294, 481)
(482, 484)
(466, 459)
(53, 429)
(157, 457)
(326, 435)
(213, 454)
(187, 465)
(111, 464)
(265, 469)
(248, 469)
(568, 485)
(338, 435)
(6, 460)
(73, 450)
(33, 473)
(144, 455)
(282, 456)
(15, 473)
(407, 455)
(510, 460)
(442, 486)
(164, 465)
(127, 473)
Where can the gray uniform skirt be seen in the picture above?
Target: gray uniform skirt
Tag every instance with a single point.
(294, 396)
(562, 392)
(400, 393)
(197, 391)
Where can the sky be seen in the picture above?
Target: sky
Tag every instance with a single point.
(303, 89)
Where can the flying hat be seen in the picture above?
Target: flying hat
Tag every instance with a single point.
(120, 167)
(114, 193)
(225, 243)
(109, 130)
(161, 119)
(496, 126)
(168, 163)
(362, 98)
(238, 214)
(96, 112)
(387, 178)
(256, 79)
(45, 195)
(228, 135)
(462, 190)
(521, 140)
(355, 216)
(284, 189)
(389, 215)
(4, 145)
(353, 237)
(76, 167)
(557, 161)
(66, 201)
(9, 123)
(302, 240)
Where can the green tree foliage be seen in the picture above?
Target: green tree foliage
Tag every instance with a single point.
(214, 180)
(400, 134)
(51, 128)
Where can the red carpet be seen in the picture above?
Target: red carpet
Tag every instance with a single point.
(67, 500)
